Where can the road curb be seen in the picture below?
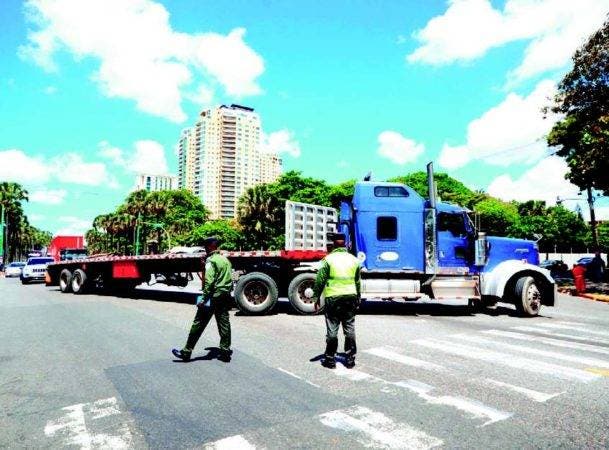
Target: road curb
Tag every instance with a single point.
(596, 297)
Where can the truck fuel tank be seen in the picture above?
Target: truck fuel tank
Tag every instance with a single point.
(387, 288)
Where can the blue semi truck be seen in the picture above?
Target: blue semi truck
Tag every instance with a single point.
(410, 248)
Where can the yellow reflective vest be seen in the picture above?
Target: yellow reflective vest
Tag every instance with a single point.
(341, 274)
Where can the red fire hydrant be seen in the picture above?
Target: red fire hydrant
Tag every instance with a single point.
(579, 275)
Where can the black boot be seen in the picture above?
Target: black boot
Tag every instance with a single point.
(225, 355)
(350, 361)
(181, 354)
(329, 362)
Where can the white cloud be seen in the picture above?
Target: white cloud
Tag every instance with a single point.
(147, 157)
(71, 168)
(278, 142)
(48, 196)
(141, 57)
(544, 181)
(512, 132)
(397, 148)
(16, 166)
(50, 90)
(468, 29)
(73, 226)
(342, 164)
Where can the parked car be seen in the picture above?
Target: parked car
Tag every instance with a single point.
(35, 269)
(556, 267)
(14, 269)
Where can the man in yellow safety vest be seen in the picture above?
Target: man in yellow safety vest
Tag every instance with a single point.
(338, 279)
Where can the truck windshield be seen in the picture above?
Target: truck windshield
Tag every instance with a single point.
(453, 222)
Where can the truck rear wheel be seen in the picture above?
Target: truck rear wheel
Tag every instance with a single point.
(256, 293)
(301, 299)
(527, 297)
(79, 281)
(65, 281)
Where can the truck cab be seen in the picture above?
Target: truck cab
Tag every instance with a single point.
(411, 247)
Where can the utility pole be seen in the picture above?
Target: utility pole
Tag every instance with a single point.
(592, 218)
(137, 235)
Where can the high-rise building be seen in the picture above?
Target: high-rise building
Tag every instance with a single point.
(220, 157)
(155, 182)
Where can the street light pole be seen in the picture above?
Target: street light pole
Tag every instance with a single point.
(592, 218)
(2, 234)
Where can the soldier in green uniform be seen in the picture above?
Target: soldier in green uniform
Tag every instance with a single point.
(339, 280)
(215, 300)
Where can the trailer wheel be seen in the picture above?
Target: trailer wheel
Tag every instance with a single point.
(527, 297)
(79, 281)
(65, 281)
(256, 293)
(301, 299)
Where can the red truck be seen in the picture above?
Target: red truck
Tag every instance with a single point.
(67, 247)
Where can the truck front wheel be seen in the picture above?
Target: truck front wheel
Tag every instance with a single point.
(256, 293)
(79, 281)
(65, 281)
(527, 297)
(300, 293)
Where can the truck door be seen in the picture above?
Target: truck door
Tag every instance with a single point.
(452, 240)
(387, 251)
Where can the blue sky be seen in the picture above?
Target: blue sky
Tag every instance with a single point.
(93, 92)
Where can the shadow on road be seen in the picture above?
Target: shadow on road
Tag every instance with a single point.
(283, 306)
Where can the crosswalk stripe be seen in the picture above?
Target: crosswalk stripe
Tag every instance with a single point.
(473, 407)
(535, 351)
(532, 394)
(386, 353)
(514, 361)
(287, 372)
(237, 442)
(574, 328)
(372, 428)
(563, 335)
(549, 341)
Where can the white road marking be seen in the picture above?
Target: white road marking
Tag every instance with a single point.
(582, 328)
(535, 351)
(384, 352)
(549, 341)
(296, 376)
(531, 365)
(477, 409)
(237, 442)
(533, 395)
(75, 426)
(374, 429)
(474, 407)
(563, 335)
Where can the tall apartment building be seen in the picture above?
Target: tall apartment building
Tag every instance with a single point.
(220, 158)
(155, 182)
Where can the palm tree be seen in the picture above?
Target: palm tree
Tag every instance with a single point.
(259, 213)
(11, 196)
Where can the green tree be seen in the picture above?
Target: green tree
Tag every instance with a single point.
(226, 231)
(449, 189)
(260, 216)
(603, 236)
(496, 217)
(582, 136)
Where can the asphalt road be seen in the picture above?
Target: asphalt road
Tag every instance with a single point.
(96, 372)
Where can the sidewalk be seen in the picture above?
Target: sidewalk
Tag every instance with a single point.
(594, 291)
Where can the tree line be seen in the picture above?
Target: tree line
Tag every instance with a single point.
(169, 218)
(21, 237)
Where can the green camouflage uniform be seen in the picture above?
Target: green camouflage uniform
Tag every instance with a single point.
(218, 285)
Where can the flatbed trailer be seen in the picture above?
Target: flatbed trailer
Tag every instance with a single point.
(261, 277)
